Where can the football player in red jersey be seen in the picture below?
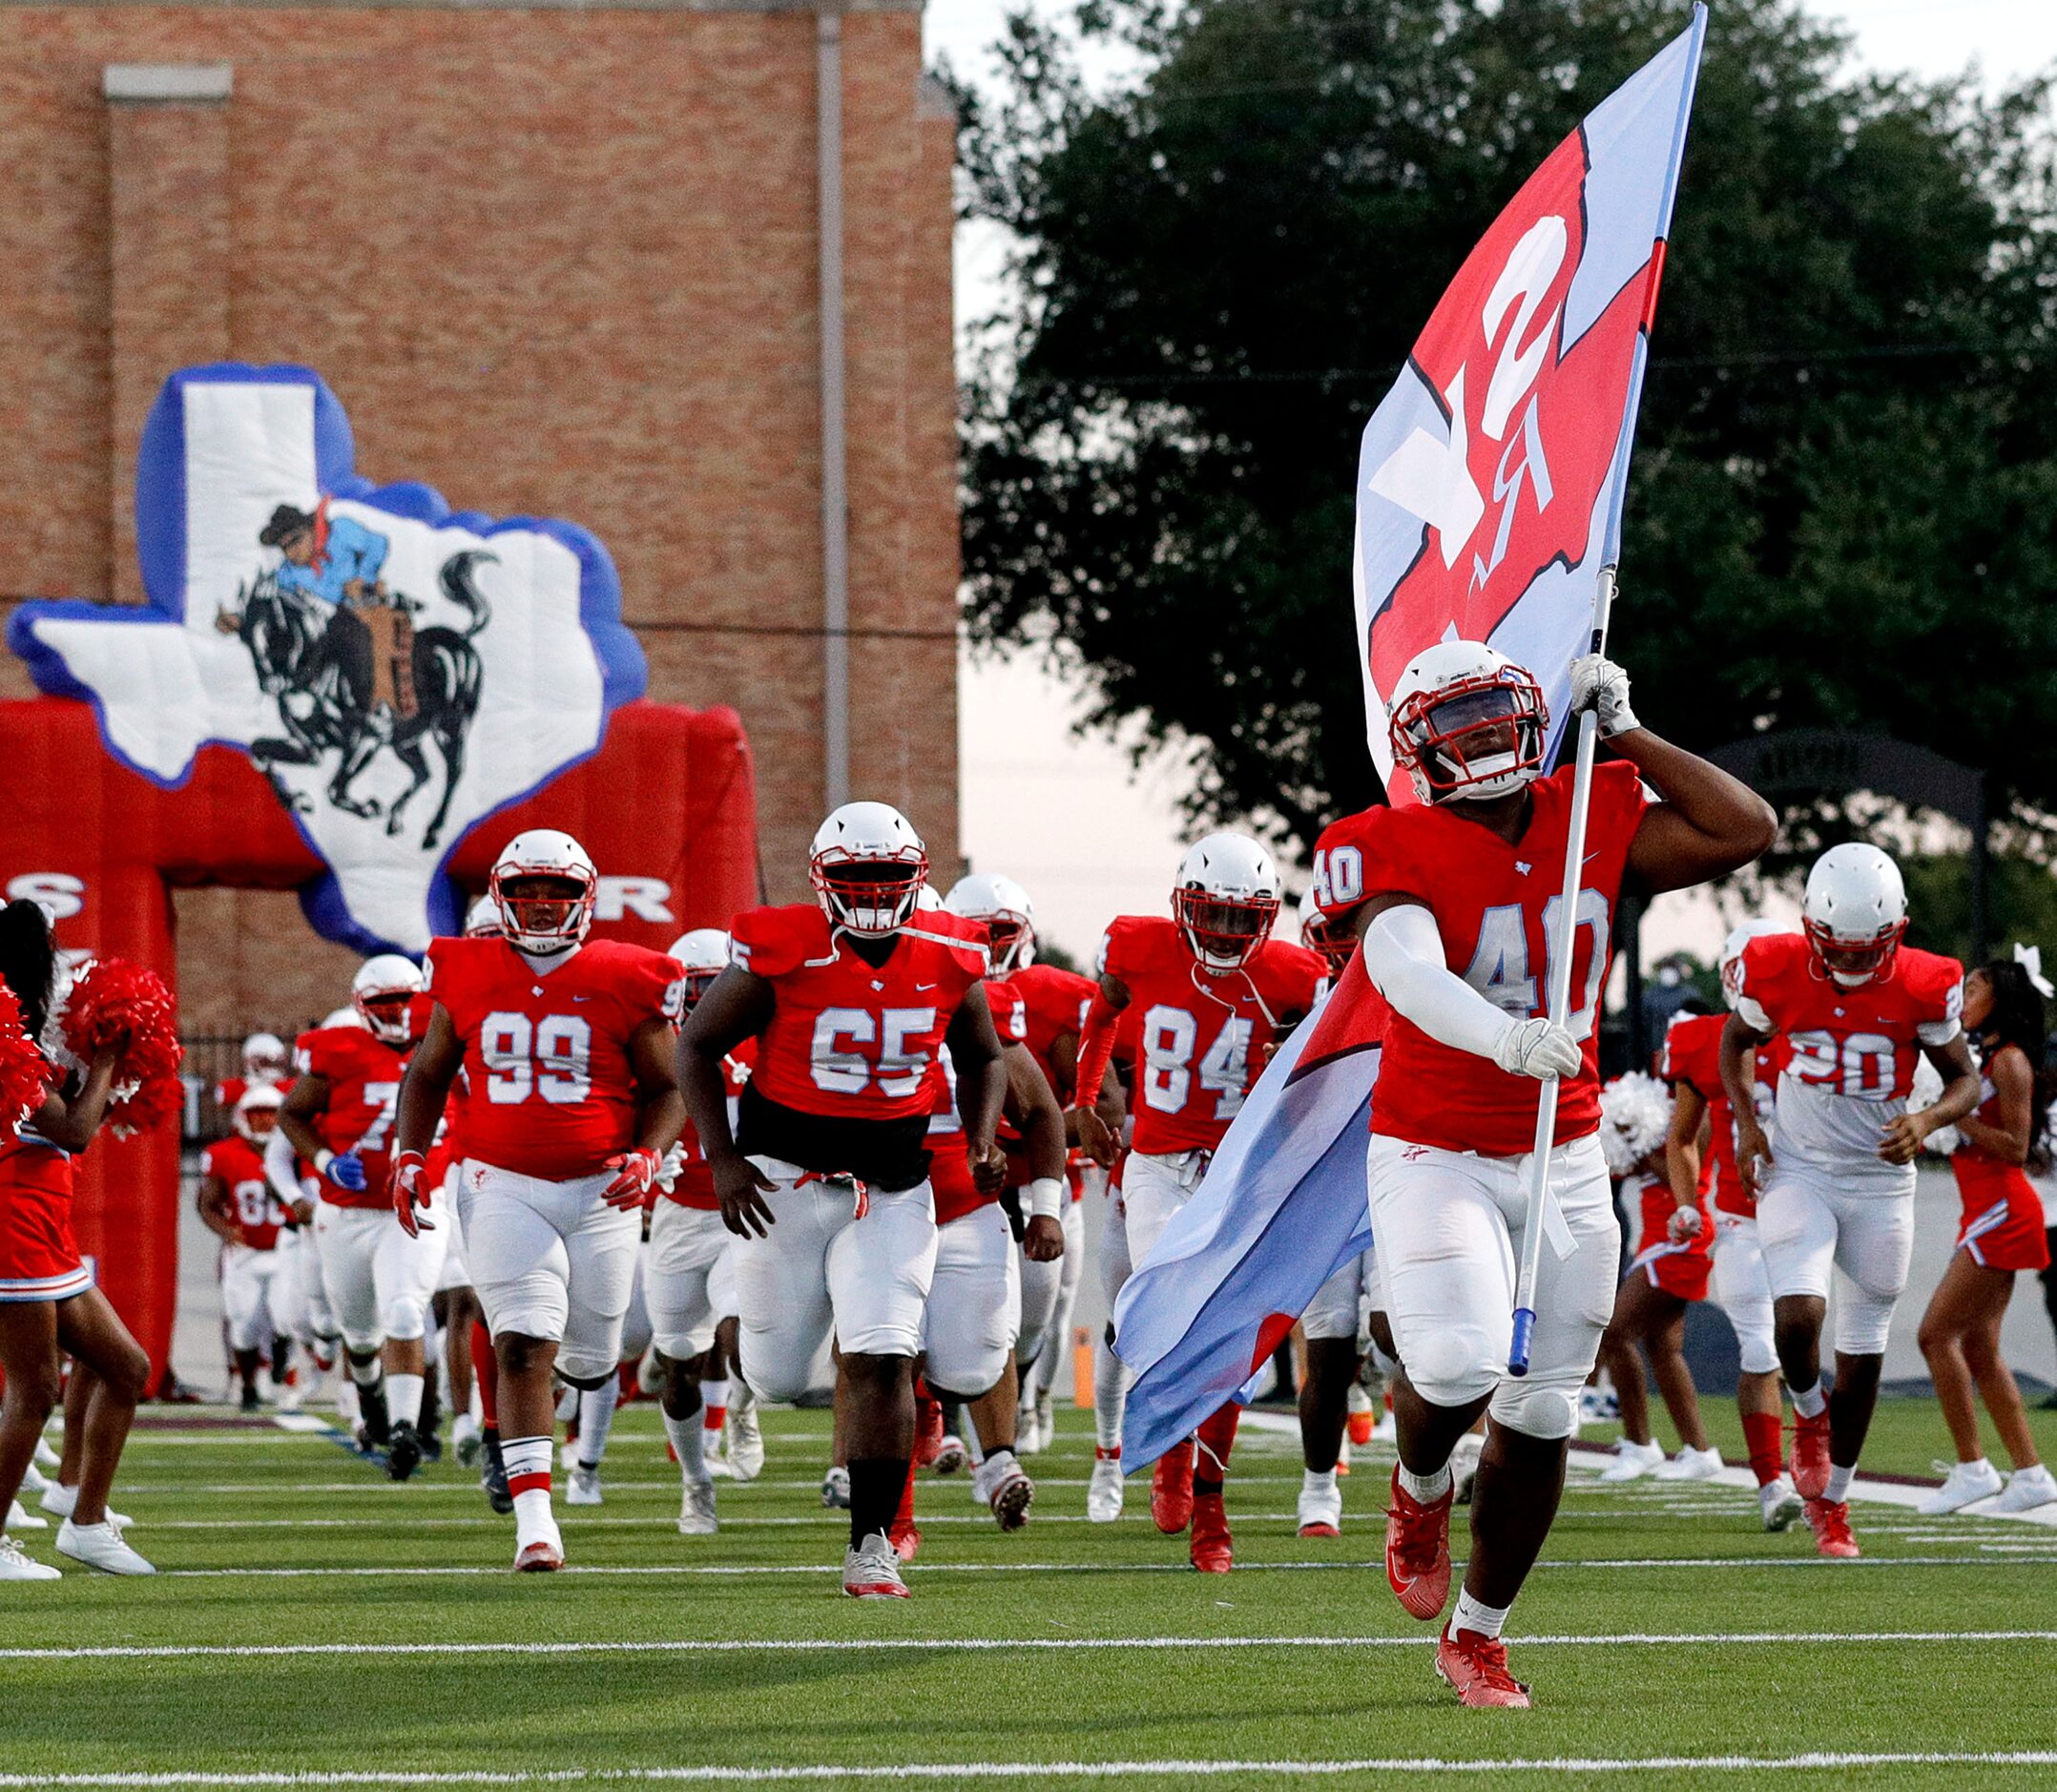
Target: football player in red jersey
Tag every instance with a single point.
(266, 1065)
(380, 1280)
(1462, 892)
(687, 1242)
(1857, 1009)
(824, 1177)
(1692, 1062)
(1053, 1005)
(566, 1044)
(1216, 993)
(2002, 1232)
(239, 1206)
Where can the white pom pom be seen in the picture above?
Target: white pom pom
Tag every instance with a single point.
(1636, 1113)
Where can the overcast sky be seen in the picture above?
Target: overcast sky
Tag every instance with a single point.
(1070, 817)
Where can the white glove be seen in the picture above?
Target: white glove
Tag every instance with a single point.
(1599, 684)
(1538, 1048)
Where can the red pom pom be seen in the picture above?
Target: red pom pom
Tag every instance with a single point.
(24, 1070)
(114, 1001)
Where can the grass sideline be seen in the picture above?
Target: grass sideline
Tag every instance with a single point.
(1670, 1642)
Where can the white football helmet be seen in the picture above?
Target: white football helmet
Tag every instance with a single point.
(264, 1057)
(868, 867)
(482, 921)
(1338, 945)
(1855, 912)
(554, 922)
(342, 1017)
(1226, 899)
(1009, 917)
(1466, 721)
(702, 955)
(382, 991)
(260, 1103)
(1731, 950)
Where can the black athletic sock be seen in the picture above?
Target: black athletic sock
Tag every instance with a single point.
(876, 1483)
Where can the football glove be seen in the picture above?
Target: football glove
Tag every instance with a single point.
(346, 1171)
(1600, 685)
(636, 1174)
(1539, 1048)
(404, 1187)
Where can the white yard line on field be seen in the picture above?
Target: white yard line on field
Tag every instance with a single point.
(1720, 1639)
(970, 1770)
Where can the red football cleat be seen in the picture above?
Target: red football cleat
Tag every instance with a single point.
(1830, 1523)
(1211, 1548)
(1361, 1426)
(1171, 1490)
(927, 1429)
(540, 1557)
(1477, 1667)
(1810, 1455)
(1418, 1551)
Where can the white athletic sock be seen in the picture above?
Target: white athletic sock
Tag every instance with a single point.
(715, 1396)
(527, 1459)
(1838, 1484)
(1314, 1482)
(595, 1420)
(689, 1438)
(1484, 1619)
(1810, 1402)
(1109, 1393)
(403, 1398)
(1424, 1488)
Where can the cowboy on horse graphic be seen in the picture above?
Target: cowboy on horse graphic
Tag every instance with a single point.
(336, 560)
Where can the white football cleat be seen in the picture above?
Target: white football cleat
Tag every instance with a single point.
(1780, 1503)
(1028, 1432)
(1631, 1462)
(836, 1489)
(18, 1519)
(872, 1570)
(469, 1439)
(2028, 1489)
(1104, 1491)
(15, 1565)
(1465, 1466)
(951, 1456)
(742, 1439)
(540, 1556)
(1005, 1486)
(1690, 1465)
(1968, 1483)
(101, 1546)
(292, 1396)
(697, 1511)
(1320, 1509)
(583, 1489)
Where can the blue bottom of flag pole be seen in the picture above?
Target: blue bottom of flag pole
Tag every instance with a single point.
(1525, 1325)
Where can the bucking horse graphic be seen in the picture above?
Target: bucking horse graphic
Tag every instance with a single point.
(356, 678)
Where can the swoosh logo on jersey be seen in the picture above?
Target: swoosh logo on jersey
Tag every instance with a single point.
(582, 998)
(920, 986)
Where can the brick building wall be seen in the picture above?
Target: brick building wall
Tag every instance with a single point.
(558, 261)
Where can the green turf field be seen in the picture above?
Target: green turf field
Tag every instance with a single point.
(314, 1621)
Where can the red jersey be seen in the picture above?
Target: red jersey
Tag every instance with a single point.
(1496, 903)
(1054, 1005)
(363, 1083)
(239, 1166)
(553, 1091)
(1853, 1051)
(949, 1152)
(1691, 1056)
(1202, 1040)
(694, 1186)
(846, 1038)
(1339, 856)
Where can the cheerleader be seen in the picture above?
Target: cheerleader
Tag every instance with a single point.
(2002, 1232)
(49, 1307)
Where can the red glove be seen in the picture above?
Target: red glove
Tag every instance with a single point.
(405, 1188)
(636, 1174)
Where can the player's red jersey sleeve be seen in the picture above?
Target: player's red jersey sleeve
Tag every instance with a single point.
(212, 1162)
(1009, 1011)
(773, 943)
(1340, 857)
(1935, 987)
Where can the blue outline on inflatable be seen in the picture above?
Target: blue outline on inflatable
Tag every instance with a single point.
(160, 533)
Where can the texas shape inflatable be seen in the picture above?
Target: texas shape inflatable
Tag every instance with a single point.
(396, 668)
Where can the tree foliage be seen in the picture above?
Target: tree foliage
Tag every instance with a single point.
(1843, 507)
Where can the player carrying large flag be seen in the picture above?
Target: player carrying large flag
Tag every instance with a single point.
(1489, 523)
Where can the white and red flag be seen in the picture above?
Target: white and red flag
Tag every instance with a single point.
(1490, 483)
(1489, 496)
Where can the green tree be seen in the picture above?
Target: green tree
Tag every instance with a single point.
(1843, 509)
